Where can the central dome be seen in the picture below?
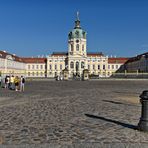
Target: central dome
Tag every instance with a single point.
(77, 32)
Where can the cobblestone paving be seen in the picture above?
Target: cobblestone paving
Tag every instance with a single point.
(70, 112)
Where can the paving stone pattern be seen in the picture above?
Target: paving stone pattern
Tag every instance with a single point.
(73, 113)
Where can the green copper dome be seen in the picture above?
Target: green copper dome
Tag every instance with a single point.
(77, 32)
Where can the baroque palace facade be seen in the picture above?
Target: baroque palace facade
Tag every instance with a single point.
(75, 60)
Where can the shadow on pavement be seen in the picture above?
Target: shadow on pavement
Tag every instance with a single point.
(115, 102)
(113, 121)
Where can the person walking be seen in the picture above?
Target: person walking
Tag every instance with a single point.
(22, 84)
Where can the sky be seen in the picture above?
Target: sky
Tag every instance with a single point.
(40, 27)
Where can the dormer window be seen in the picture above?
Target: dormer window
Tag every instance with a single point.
(9, 57)
(77, 34)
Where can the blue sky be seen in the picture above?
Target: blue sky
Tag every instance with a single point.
(39, 27)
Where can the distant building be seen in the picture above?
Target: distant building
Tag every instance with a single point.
(11, 64)
(138, 63)
(116, 65)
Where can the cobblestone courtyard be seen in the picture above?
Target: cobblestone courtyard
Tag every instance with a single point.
(69, 112)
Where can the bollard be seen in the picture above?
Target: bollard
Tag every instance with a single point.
(143, 123)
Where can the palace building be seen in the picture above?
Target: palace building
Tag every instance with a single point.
(75, 60)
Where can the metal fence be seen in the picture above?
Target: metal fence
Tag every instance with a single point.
(130, 75)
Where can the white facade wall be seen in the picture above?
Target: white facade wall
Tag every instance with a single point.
(35, 69)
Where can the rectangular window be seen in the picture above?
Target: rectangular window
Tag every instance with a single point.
(93, 66)
(28, 66)
(98, 66)
(55, 67)
(103, 66)
(112, 66)
(50, 67)
(41, 66)
(88, 66)
(108, 66)
(37, 66)
(32, 66)
(61, 67)
(116, 66)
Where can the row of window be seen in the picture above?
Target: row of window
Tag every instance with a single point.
(77, 65)
(77, 47)
(55, 67)
(71, 66)
(109, 66)
(113, 66)
(62, 60)
(36, 66)
(93, 66)
(36, 74)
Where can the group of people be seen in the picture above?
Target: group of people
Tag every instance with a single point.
(59, 78)
(13, 82)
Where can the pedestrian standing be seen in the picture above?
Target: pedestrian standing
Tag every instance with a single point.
(0, 81)
(16, 82)
(12, 86)
(22, 84)
(6, 82)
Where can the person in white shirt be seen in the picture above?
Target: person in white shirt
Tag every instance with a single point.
(22, 84)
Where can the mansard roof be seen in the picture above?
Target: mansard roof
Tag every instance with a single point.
(95, 54)
(59, 54)
(34, 60)
(138, 57)
(119, 60)
(6, 55)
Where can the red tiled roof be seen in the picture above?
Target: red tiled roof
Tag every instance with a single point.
(4, 55)
(117, 60)
(34, 60)
(88, 54)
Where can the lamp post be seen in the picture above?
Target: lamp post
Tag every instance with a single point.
(143, 123)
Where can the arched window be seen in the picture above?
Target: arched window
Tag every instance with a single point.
(77, 66)
(71, 65)
(77, 47)
(71, 47)
(82, 64)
